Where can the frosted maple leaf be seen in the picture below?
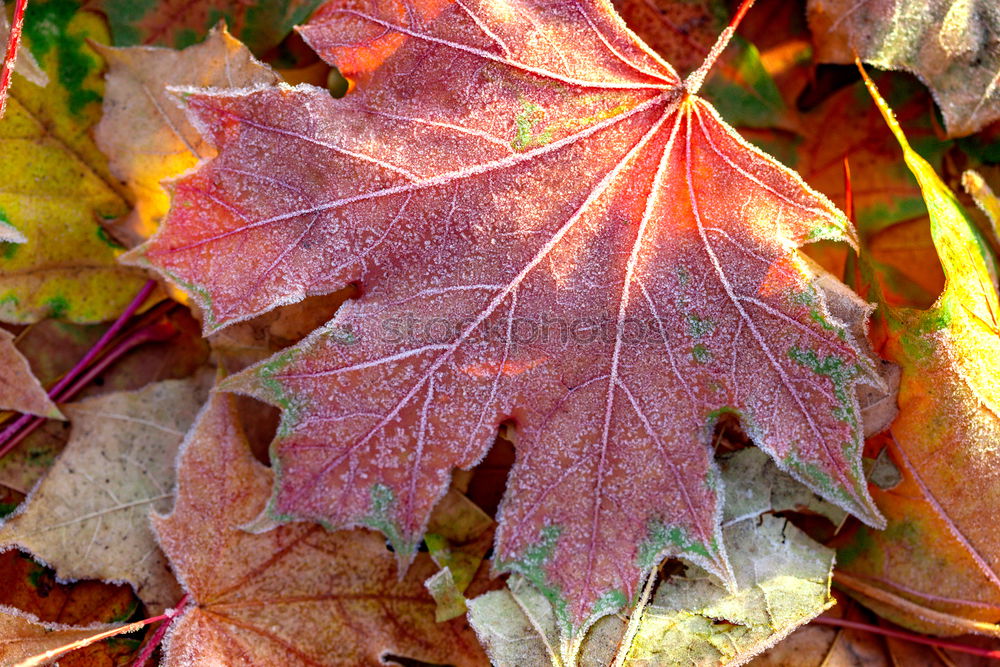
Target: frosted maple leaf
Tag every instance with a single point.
(547, 226)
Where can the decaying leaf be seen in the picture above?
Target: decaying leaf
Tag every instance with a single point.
(784, 581)
(34, 605)
(20, 390)
(144, 132)
(296, 595)
(517, 625)
(755, 486)
(898, 573)
(825, 646)
(905, 264)
(56, 184)
(946, 440)
(783, 578)
(952, 45)
(883, 189)
(613, 316)
(87, 518)
(53, 347)
(180, 23)
(34, 589)
(459, 534)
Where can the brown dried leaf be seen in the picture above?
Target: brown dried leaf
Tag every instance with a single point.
(952, 45)
(88, 517)
(145, 134)
(296, 595)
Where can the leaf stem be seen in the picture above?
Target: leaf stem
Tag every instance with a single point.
(13, 42)
(154, 641)
(848, 190)
(852, 271)
(695, 80)
(908, 636)
(27, 423)
(47, 656)
(98, 347)
(148, 334)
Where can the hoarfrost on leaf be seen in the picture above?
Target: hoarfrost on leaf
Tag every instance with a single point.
(557, 231)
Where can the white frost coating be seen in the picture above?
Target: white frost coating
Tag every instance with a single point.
(617, 276)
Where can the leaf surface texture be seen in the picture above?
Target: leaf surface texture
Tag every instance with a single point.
(554, 232)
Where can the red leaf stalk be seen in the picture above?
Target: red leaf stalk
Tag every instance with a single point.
(154, 641)
(909, 637)
(695, 80)
(848, 191)
(56, 392)
(13, 42)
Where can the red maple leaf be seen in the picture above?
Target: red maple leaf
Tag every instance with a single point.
(547, 226)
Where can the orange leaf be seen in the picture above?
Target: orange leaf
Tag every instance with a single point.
(940, 555)
(296, 595)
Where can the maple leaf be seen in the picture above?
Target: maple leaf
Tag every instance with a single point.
(748, 87)
(559, 232)
(945, 437)
(296, 595)
(951, 45)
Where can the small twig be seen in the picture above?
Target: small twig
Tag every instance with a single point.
(154, 641)
(14, 429)
(694, 81)
(13, 42)
(148, 334)
(908, 636)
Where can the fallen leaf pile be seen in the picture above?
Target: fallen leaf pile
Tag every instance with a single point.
(470, 332)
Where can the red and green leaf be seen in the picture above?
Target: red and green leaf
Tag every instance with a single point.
(555, 231)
